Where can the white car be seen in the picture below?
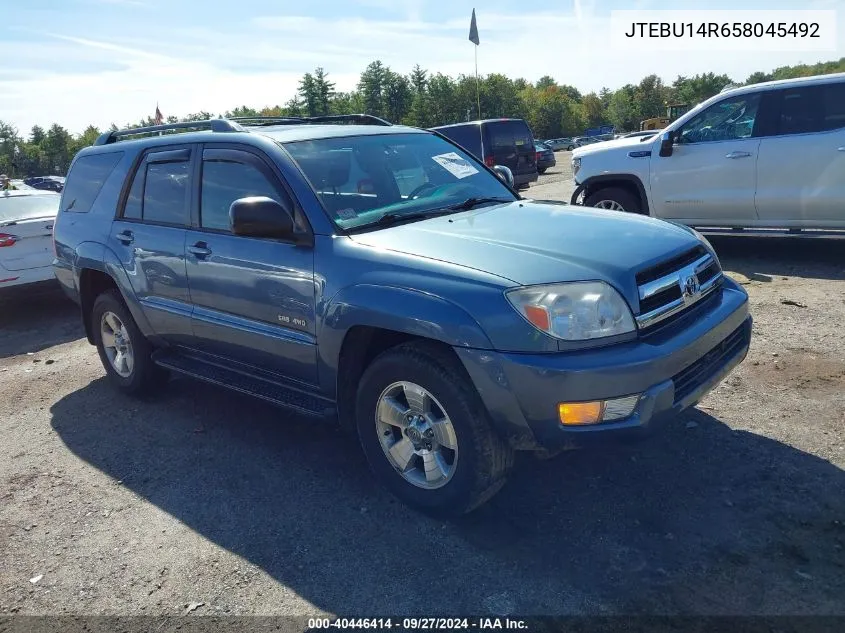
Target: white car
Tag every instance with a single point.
(26, 237)
(770, 155)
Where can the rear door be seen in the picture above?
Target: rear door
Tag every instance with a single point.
(801, 166)
(148, 236)
(26, 230)
(512, 145)
(254, 298)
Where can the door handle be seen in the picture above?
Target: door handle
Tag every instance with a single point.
(125, 237)
(200, 250)
(738, 155)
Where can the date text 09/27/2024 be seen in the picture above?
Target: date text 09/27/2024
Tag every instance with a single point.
(723, 30)
(418, 624)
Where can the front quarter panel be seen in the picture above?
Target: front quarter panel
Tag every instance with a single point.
(631, 162)
(359, 285)
(392, 308)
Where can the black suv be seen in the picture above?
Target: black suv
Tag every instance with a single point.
(507, 142)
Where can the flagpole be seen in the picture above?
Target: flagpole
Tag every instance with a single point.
(477, 85)
(473, 37)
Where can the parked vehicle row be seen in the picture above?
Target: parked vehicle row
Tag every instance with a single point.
(769, 155)
(46, 183)
(545, 157)
(390, 279)
(558, 144)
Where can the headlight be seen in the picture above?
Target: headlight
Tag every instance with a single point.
(576, 165)
(575, 311)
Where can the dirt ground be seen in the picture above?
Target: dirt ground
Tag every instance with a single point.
(205, 501)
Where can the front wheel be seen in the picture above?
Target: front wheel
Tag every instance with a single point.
(542, 170)
(426, 434)
(613, 199)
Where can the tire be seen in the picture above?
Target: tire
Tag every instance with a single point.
(481, 461)
(542, 170)
(141, 375)
(613, 195)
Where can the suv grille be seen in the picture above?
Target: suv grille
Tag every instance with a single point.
(669, 288)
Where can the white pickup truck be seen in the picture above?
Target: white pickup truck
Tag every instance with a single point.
(769, 155)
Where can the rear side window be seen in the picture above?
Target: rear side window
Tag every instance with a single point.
(86, 179)
(509, 136)
(166, 193)
(161, 188)
(811, 109)
(834, 107)
(800, 111)
(467, 136)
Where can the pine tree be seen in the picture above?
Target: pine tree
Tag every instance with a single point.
(308, 92)
(371, 87)
(324, 90)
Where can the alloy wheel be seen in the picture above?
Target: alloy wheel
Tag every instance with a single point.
(416, 435)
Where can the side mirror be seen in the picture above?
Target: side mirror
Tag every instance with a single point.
(259, 216)
(667, 141)
(504, 174)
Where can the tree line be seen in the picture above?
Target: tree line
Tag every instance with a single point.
(426, 99)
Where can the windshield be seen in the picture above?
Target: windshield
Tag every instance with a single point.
(360, 179)
(18, 208)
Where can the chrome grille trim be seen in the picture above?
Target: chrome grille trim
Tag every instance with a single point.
(672, 279)
(676, 279)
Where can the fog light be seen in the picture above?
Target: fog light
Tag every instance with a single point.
(579, 413)
(572, 413)
(619, 408)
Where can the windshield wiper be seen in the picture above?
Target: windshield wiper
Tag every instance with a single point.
(389, 219)
(471, 203)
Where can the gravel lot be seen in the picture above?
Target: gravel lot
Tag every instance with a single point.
(561, 172)
(110, 505)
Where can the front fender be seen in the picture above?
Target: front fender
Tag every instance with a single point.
(609, 180)
(390, 308)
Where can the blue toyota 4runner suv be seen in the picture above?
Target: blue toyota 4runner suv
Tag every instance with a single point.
(380, 275)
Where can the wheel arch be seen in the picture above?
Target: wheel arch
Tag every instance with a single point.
(630, 182)
(93, 276)
(364, 320)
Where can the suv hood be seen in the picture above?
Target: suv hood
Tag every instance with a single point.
(529, 242)
(626, 144)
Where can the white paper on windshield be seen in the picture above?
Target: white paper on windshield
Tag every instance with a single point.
(455, 165)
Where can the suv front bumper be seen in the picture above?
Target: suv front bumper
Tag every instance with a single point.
(670, 369)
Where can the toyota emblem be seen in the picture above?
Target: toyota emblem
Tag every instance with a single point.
(690, 286)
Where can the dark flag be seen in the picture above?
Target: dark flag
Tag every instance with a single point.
(473, 30)
(159, 119)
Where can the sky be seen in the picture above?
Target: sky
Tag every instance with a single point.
(81, 62)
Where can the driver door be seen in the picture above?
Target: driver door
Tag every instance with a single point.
(253, 298)
(710, 179)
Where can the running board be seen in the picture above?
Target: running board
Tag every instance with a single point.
(762, 232)
(259, 386)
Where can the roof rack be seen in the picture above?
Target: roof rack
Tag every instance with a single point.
(358, 119)
(215, 125)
